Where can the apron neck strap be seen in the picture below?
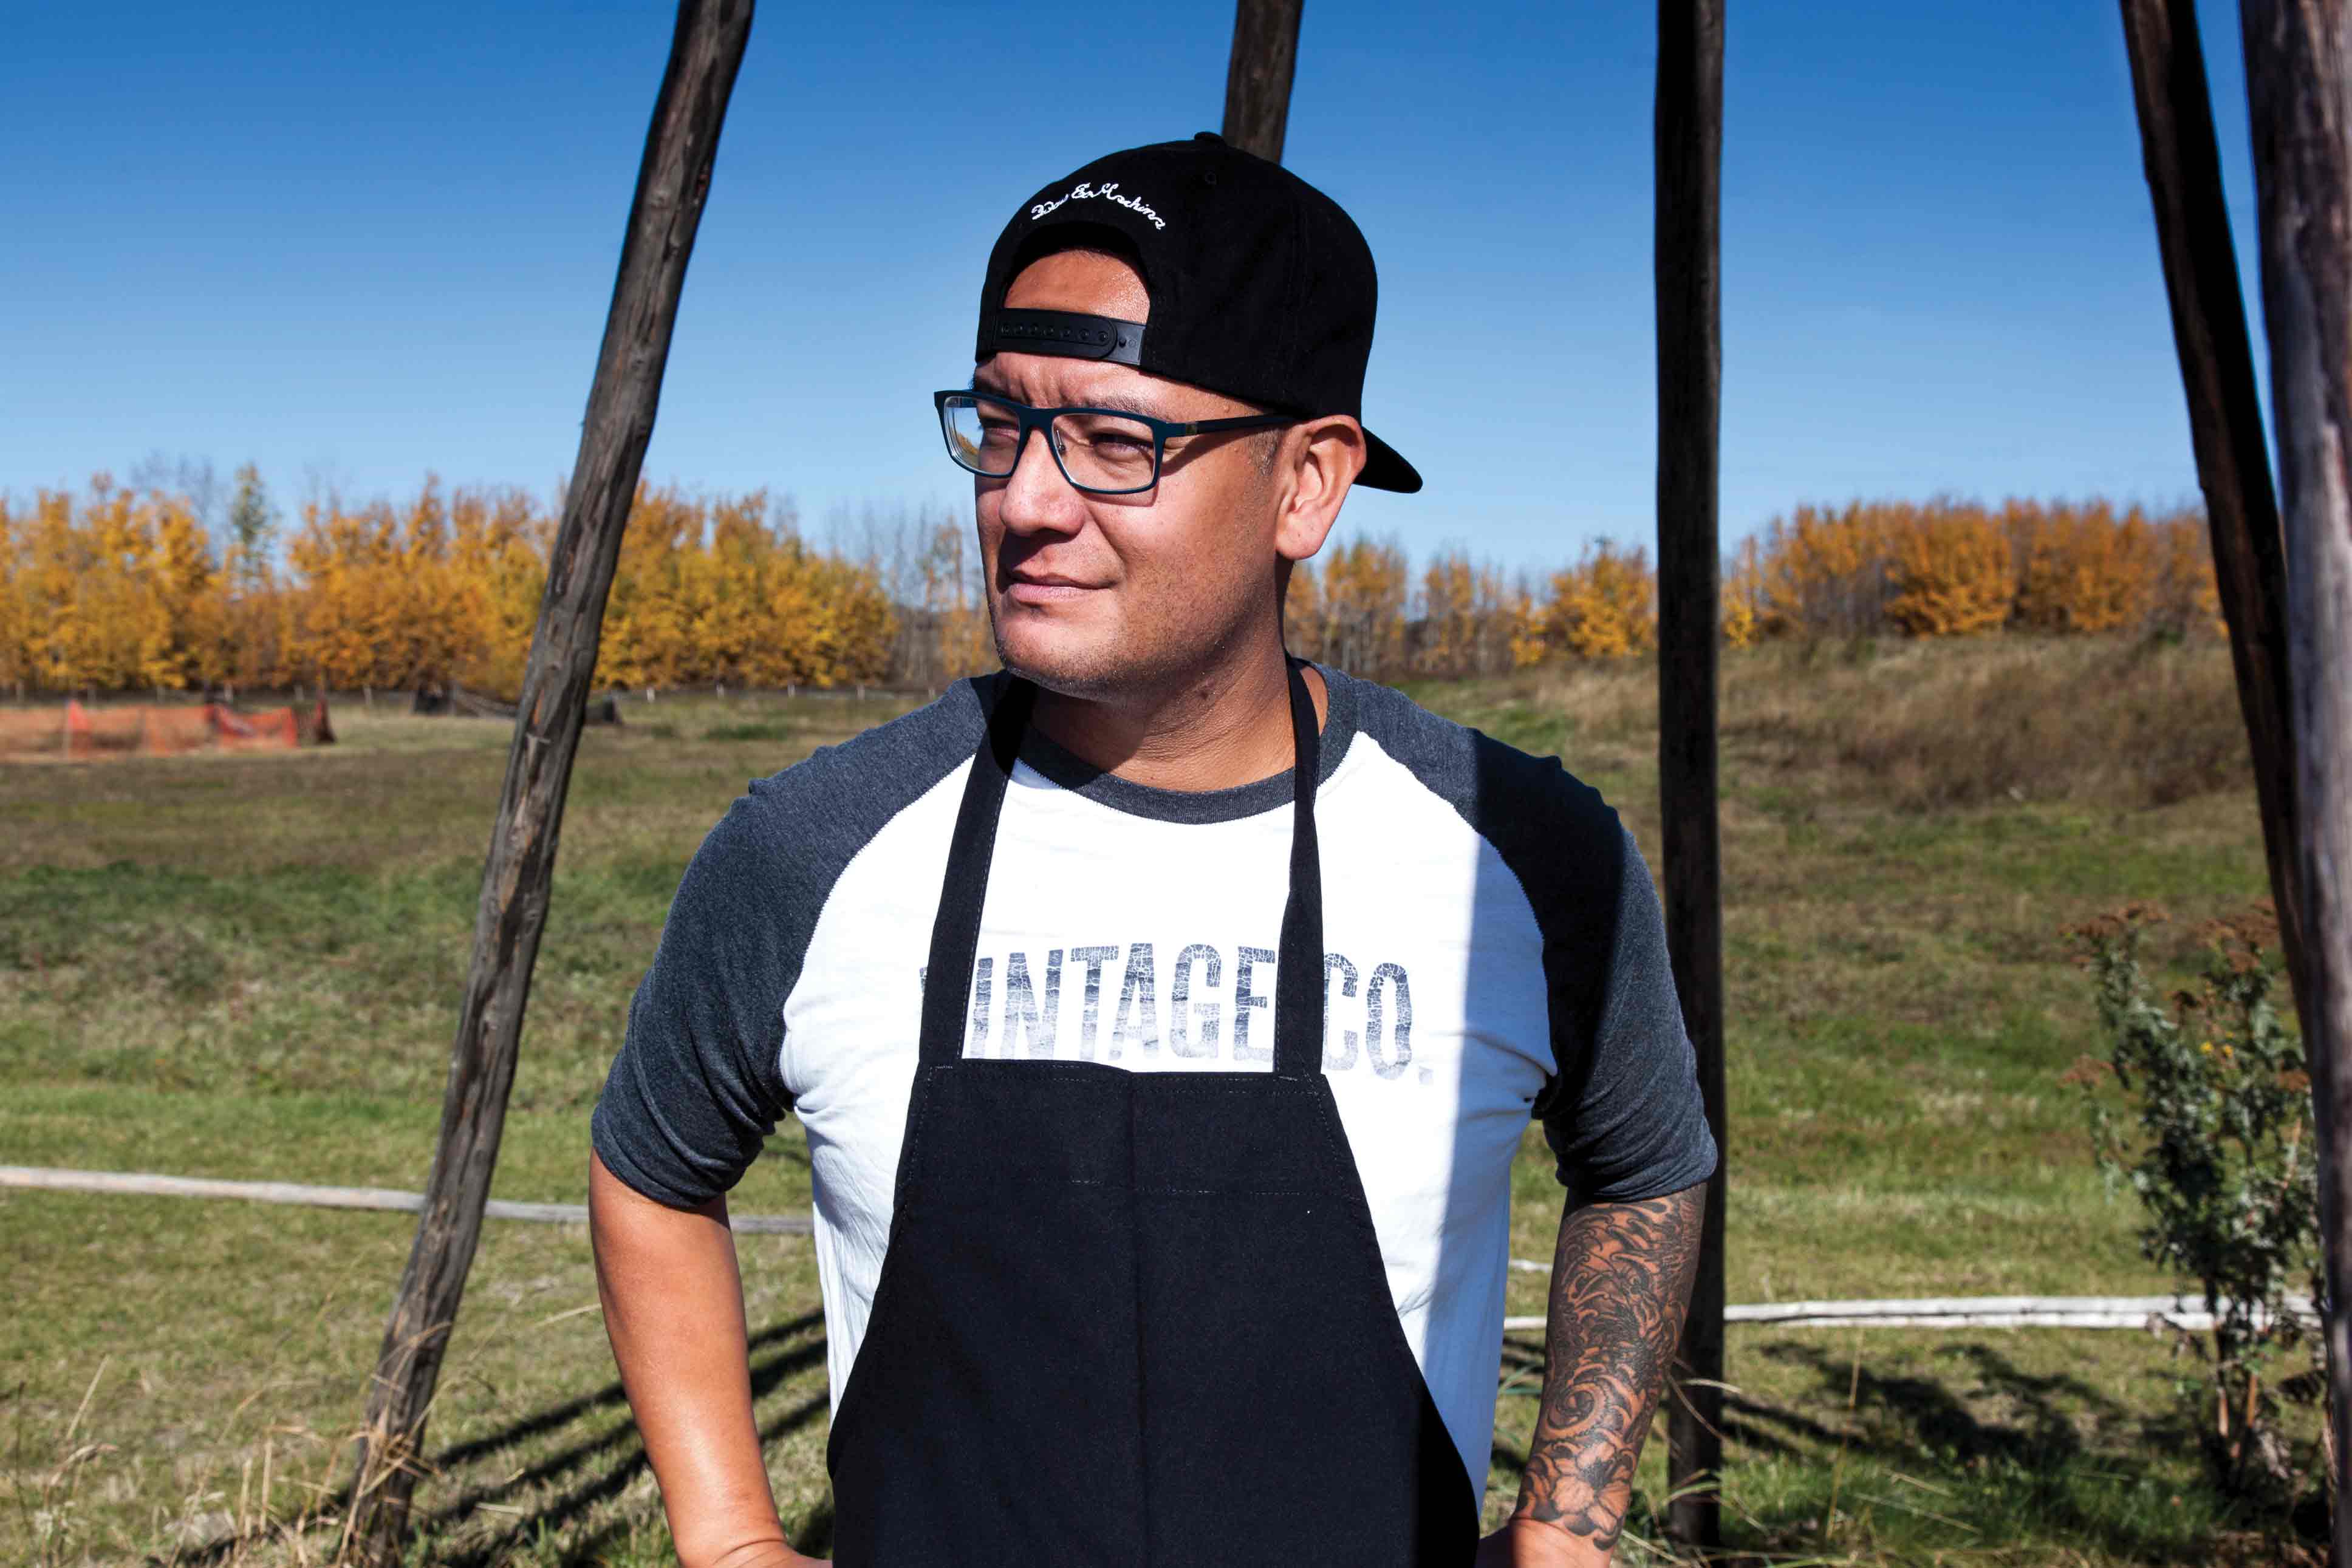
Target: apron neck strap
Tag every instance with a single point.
(1299, 973)
(955, 933)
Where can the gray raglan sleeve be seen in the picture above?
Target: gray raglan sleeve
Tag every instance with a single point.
(1624, 1113)
(698, 1084)
(1620, 1108)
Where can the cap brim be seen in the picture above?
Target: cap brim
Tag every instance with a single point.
(1385, 470)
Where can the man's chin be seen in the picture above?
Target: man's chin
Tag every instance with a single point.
(1058, 659)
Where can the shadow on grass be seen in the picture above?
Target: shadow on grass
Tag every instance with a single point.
(596, 1467)
(601, 1468)
(2011, 1451)
(2021, 1458)
(2004, 1458)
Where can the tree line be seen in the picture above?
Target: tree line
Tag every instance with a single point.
(1936, 569)
(126, 588)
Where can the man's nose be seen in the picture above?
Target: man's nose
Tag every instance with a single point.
(1037, 498)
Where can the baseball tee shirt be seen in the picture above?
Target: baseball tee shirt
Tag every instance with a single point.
(1494, 951)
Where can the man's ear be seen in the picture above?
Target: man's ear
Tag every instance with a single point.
(1319, 461)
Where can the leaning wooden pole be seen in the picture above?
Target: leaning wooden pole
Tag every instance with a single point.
(2183, 161)
(1688, 262)
(672, 182)
(2299, 93)
(1257, 76)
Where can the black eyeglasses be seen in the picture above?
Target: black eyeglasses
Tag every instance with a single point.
(1105, 450)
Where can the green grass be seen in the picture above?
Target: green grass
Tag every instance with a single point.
(247, 967)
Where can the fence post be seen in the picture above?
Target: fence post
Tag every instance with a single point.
(1688, 262)
(2300, 98)
(1258, 75)
(673, 178)
(2183, 163)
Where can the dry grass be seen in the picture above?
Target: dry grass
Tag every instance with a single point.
(1925, 726)
(2126, 723)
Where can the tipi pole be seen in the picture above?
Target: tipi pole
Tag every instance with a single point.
(1257, 76)
(672, 182)
(2225, 417)
(2299, 92)
(1688, 136)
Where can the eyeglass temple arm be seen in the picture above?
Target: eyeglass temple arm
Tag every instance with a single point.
(1242, 422)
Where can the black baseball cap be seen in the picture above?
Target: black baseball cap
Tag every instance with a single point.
(1262, 289)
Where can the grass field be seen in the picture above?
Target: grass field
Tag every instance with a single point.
(247, 967)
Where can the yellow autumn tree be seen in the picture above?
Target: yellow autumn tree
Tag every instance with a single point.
(1743, 595)
(726, 591)
(2185, 599)
(114, 624)
(1824, 571)
(16, 670)
(49, 558)
(1495, 609)
(1605, 606)
(1525, 622)
(1302, 612)
(350, 600)
(649, 615)
(499, 545)
(1447, 639)
(442, 606)
(961, 642)
(1467, 618)
(780, 615)
(1359, 606)
(2081, 567)
(831, 624)
(1948, 570)
(255, 611)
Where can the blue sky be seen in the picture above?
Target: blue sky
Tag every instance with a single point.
(354, 245)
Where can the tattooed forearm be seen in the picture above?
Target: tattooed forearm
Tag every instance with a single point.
(1620, 1282)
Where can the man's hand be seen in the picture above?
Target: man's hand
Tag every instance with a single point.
(765, 1554)
(1621, 1279)
(1522, 1542)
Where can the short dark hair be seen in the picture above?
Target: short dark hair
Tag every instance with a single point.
(1093, 240)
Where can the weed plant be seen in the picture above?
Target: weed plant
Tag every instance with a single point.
(2203, 1110)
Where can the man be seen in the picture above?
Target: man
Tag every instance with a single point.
(1162, 1013)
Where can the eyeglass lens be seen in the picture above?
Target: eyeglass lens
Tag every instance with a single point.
(1097, 451)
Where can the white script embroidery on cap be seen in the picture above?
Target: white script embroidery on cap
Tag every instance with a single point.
(1085, 190)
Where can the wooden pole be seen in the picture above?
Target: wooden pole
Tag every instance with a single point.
(2299, 92)
(1687, 261)
(1257, 77)
(673, 180)
(2183, 161)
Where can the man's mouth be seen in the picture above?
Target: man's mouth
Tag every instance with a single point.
(1045, 587)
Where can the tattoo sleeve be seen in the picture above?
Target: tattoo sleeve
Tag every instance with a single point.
(1621, 1279)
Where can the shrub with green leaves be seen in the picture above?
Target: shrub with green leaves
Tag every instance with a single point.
(2203, 1110)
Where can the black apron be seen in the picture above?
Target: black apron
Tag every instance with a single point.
(1134, 1318)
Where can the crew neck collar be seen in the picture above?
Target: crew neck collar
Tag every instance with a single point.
(1198, 807)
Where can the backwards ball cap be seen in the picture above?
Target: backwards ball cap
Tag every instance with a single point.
(1262, 289)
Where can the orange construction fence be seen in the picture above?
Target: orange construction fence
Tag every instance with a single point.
(79, 732)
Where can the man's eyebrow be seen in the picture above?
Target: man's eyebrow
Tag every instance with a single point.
(1123, 402)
